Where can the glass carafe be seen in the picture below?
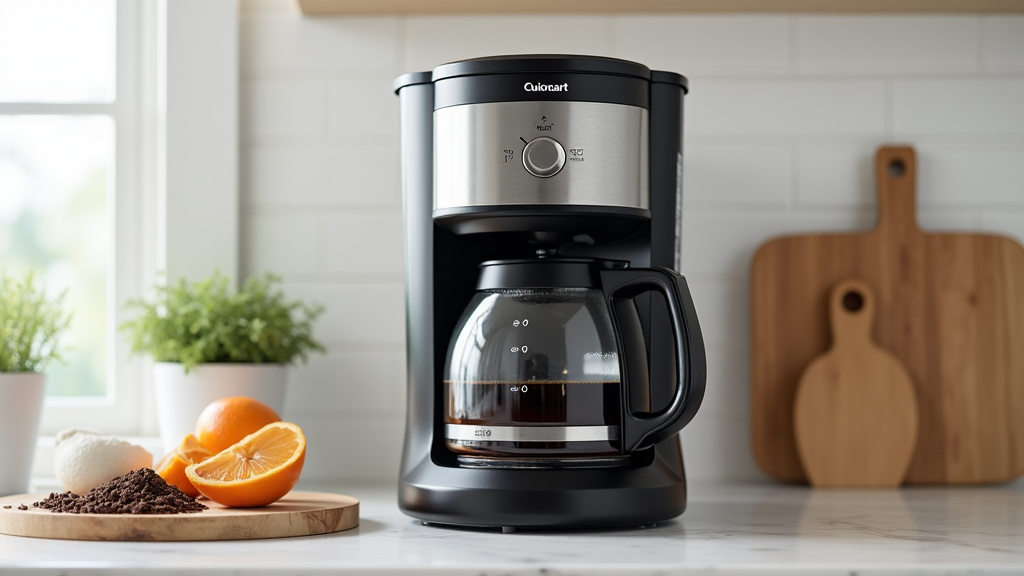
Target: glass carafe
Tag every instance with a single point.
(535, 374)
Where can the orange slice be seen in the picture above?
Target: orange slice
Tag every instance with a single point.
(258, 470)
(172, 466)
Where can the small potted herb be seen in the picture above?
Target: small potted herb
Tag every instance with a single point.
(210, 342)
(30, 326)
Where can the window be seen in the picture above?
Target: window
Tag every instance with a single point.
(68, 181)
(117, 118)
(55, 183)
(58, 86)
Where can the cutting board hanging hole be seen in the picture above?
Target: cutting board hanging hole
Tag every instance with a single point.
(855, 416)
(897, 168)
(853, 301)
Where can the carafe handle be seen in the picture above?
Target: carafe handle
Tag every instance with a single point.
(640, 430)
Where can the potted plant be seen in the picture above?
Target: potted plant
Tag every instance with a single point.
(210, 343)
(30, 325)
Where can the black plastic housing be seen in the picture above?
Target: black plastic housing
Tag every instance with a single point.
(441, 277)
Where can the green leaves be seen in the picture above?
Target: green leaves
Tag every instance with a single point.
(30, 324)
(195, 323)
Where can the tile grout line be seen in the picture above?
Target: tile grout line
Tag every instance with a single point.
(794, 46)
(980, 60)
(889, 108)
(794, 175)
(323, 246)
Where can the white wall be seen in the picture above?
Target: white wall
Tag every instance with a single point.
(782, 121)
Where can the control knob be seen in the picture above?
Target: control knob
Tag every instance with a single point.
(543, 157)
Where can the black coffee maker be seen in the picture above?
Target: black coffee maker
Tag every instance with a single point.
(554, 352)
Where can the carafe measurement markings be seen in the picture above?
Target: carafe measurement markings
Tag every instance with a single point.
(517, 324)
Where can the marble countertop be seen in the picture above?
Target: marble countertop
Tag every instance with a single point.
(727, 529)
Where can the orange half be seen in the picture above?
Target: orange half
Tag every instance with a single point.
(172, 466)
(258, 470)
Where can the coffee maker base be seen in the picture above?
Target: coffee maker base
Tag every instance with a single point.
(546, 499)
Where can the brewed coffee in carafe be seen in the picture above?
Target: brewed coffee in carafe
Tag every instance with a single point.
(544, 356)
(533, 372)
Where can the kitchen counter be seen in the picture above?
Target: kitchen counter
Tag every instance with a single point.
(731, 529)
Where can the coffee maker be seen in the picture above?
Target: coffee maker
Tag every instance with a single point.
(554, 352)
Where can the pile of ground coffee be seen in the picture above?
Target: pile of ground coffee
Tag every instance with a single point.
(141, 491)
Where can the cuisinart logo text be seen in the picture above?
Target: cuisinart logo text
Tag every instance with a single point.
(531, 87)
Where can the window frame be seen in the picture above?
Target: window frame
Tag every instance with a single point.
(164, 166)
(118, 409)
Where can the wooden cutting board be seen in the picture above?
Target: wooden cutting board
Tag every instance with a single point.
(950, 307)
(855, 415)
(297, 514)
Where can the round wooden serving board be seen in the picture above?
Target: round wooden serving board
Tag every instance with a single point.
(297, 514)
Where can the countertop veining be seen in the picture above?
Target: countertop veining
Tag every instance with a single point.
(727, 529)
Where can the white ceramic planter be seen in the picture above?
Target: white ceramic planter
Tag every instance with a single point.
(21, 407)
(180, 397)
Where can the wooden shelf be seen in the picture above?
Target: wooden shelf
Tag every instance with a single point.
(319, 7)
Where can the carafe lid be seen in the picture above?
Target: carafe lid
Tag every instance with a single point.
(544, 273)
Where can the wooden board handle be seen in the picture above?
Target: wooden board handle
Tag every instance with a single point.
(896, 172)
(852, 311)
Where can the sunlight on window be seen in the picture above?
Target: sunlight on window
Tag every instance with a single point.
(54, 191)
(56, 170)
(57, 50)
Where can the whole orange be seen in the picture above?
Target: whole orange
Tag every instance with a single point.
(226, 421)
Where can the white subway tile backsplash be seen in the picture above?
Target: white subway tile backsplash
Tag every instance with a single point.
(720, 246)
(365, 244)
(349, 449)
(433, 40)
(800, 107)
(978, 176)
(250, 7)
(1004, 43)
(958, 105)
(724, 310)
(889, 45)
(349, 383)
(279, 107)
(711, 177)
(338, 176)
(946, 220)
(707, 45)
(293, 42)
(371, 314)
(282, 244)
(716, 448)
(716, 444)
(782, 121)
(836, 175)
(1004, 222)
(728, 381)
(364, 107)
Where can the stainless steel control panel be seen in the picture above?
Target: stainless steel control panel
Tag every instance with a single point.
(509, 153)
